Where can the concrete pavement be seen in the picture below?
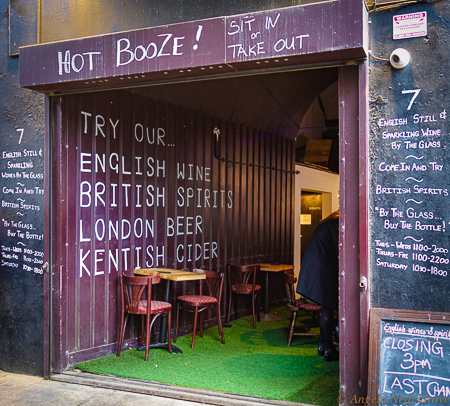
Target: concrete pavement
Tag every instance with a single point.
(23, 390)
(77, 388)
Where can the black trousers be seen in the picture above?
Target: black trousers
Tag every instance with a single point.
(327, 327)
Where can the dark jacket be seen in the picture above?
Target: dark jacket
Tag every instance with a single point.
(319, 272)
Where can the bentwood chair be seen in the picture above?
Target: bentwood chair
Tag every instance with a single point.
(243, 282)
(294, 305)
(197, 304)
(133, 301)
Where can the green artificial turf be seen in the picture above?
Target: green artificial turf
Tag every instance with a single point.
(252, 362)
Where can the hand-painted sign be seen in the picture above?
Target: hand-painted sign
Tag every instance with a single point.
(409, 358)
(267, 35)
(223, 43)
(22, 202)
(410, 222)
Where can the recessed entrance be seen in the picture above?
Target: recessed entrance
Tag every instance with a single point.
(194, 174)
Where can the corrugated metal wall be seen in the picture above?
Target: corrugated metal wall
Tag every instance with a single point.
(136, 184)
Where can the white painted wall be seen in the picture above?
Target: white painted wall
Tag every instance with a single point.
(313, 180)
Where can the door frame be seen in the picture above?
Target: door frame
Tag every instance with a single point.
(48, 270)
(353, 302)
(353, 253)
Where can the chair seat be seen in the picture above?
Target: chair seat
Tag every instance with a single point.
(156, 306)
(197, 299)
(301, 304)
(245, 289)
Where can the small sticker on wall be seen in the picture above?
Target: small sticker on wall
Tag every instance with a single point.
(305, 219)
(410, 25)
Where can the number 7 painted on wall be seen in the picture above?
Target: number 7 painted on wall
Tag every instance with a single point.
(21, 134)
(416, 93)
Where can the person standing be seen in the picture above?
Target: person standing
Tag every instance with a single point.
(319, 280)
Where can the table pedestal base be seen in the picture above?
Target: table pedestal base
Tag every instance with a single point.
(175, 350)
(270, 317)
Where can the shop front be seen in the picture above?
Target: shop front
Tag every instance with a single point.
(174, 147)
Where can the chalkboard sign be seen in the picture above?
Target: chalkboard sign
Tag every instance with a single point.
(22, 280)
(409, 156)
(409, 360)
(22, 203)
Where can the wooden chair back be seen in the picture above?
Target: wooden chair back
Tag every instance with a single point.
(243, 276)
(132, 290)
(289, 281)
(213, 282)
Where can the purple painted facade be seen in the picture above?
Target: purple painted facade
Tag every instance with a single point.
(123, 192)
(139, 186)
(282, 37)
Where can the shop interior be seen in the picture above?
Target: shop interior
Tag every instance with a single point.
(301, 105)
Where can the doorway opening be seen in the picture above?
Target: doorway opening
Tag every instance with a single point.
(260, 118)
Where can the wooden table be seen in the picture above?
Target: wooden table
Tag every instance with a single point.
(267, 268)
(169, 275)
